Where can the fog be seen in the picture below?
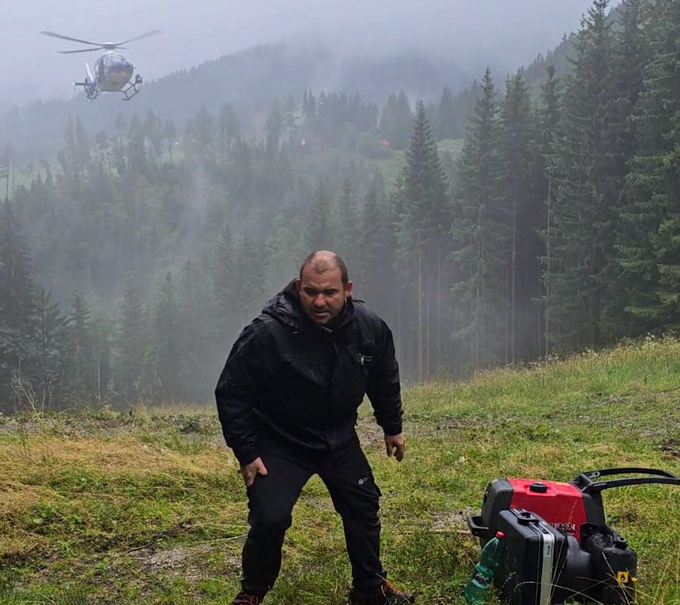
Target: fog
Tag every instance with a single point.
(502, 33)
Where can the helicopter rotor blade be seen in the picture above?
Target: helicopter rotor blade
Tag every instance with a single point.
(145, 35)
(55, 35)
(84, 50)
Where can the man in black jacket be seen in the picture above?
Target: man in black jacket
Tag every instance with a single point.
(287, 400)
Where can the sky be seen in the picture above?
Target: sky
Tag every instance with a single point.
(503, 33)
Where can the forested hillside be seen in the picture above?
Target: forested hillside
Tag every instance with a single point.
(249, 80)
(129, 264)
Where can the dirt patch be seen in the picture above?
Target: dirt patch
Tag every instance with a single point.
(188, 561)
(671, 449)
(453, 521)
(370, 434)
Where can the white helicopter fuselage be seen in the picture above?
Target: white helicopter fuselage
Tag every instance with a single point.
(112, 72)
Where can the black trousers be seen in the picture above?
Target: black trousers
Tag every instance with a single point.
(349, 479)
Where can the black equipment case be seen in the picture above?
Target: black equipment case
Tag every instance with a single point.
(534, 556)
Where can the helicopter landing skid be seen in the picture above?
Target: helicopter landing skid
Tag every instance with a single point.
(131, 86)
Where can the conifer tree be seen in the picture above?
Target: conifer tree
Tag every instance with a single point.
(81, 361)
(229, 128)
(223, 274)
(202, 135)
(135, 149)
(170, 135)
(274, 128)
(167, 343)
(18, 301)
(426, 214)
(583, 215)
(480, 238)
(132, 340)
(203, 345)
(517, 155)
(47, 370)
(631, 56)
(396, 120)
(548, 118)
(282, 253)
(103, 329)
(348, 234)
(447, 115)
(377, 280)
(649, 248)
(317, 231)
(248, 285)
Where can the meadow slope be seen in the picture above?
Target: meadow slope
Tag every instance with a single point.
(147, 507)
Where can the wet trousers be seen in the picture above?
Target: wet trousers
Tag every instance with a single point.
(349, 479)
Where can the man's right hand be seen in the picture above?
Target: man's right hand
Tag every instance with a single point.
(250, 471)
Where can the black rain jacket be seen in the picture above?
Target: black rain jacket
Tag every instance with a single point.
(292, 381)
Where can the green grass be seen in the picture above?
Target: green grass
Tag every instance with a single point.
(104, 508)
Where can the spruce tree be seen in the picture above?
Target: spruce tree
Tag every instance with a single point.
(480, 233)
(447, 115)
(517, 155)
(132, 341)
(649, 249)
(348, 234)
(583, 214)
(631, 54)
(204, 346)
(426, 214)
(18, 302)
(47, 370)
(167, 340)
(81, 357)
(377, 280)
(223, 273)
(317, 232)
(548, 119)
(274, 128)
(282, 254)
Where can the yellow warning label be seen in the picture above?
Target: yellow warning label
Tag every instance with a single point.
(622, 577)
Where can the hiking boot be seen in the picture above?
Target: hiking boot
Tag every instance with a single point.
(248, 598)
(383, 594)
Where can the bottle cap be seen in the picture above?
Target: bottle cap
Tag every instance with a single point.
(500, 535)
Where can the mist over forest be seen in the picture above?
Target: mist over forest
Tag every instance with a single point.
(491, 216)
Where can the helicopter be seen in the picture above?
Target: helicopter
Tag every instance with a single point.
(112, 71)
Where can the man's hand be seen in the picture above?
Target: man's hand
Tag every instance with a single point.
(250, 471)
(396, 444)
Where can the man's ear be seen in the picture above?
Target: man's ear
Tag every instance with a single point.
(298, 285)
(348, 288)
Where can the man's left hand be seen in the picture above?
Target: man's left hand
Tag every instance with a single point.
(396, 445)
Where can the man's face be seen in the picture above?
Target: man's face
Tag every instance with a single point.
(322, 294)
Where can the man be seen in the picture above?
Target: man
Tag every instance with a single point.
(287, 400)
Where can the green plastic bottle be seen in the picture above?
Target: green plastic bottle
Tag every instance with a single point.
(489, 561)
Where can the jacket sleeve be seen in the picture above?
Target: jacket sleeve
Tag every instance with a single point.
(383, 388)
(239, 389)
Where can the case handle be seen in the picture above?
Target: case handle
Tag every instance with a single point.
(585, 482)
(475, 528)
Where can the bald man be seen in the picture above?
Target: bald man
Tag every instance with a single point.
(287, 400)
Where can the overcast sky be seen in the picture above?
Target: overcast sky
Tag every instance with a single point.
(503, 33)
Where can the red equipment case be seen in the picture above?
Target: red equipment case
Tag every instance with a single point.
(566, 506)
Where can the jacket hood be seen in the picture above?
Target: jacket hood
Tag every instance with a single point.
(287, 308)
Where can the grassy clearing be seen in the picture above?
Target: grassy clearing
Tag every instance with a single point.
(117, 509)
